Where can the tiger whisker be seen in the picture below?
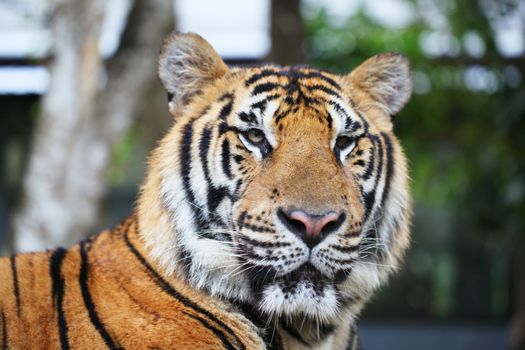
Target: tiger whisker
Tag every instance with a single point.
(235, 272)
(376, 264)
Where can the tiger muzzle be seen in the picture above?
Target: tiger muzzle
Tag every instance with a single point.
(311, 228)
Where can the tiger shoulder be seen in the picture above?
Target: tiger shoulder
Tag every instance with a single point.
(272, 209)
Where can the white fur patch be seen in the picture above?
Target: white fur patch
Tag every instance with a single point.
(304, 301)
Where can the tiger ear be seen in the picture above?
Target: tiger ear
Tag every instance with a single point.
(187, 63)
(387, 78)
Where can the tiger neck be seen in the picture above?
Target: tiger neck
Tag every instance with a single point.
(311, 335)
(303, 334)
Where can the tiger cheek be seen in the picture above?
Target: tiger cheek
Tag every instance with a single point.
(256, 206)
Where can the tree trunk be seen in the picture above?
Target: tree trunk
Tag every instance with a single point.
(287, 32)
(44, 218)
(80, 123)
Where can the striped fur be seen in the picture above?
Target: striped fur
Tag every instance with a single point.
(209, 259)
(86, 297)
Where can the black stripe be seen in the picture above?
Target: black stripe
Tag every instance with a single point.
(264, 244)
(16, 288)
(185, 261)
(371, 162)
(264, 87)
(236, 194)
(58, 287)
(261, 105)
(240, 220)
(348, 249)
(353, 104)
(354, 126)
(350, 342)
(350, 124)
(238, 158)
(258, 275)
(371, 234)
(168, 289)
(224, 128)
(369, 202)
(214, 195)
(271, 337)
(294, 333)
(319, 87)
(370, 166)
(343, 261)
(389, 166)
(325, 331)
(370, 197)
(353, 339)
(279, 116)
(225, 158)
(292, 73)
(329, 119)
(215, 331)
(5, 345)
(289, 100)
(295, 86)
(83, 280)
(342, 113)
(339, 109)
(317, 74)
(359, 162)
(248, 252)
(248, 117)
(186, 164)
(226, 96)
(258, 228)
(262, 74)
(204, 145)
(226, 109)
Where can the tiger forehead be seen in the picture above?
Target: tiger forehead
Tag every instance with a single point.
(290, 79)
(298, 90)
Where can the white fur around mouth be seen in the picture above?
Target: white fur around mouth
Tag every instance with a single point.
(303, 300)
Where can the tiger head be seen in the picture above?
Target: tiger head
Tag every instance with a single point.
(282, 187)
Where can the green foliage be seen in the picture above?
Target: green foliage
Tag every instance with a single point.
(464, 134)
(122, 154)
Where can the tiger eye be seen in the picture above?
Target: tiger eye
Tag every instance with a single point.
(255, 136)
(343, 141)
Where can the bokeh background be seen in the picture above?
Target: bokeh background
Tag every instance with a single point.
(81, 108)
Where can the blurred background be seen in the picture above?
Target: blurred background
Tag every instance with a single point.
(81, 108)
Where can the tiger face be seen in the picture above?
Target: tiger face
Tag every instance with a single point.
(283, 187)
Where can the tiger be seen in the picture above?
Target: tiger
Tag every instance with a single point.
(273, 208)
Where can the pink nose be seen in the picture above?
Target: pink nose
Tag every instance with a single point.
(311, 228)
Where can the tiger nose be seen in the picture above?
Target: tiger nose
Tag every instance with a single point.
(311, 228)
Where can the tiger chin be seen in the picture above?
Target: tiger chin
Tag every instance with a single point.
(272, 209)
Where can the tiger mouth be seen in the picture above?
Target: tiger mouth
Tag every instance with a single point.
(307, 276)
(305, 272)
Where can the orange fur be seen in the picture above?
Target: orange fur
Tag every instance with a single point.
(138, 310)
